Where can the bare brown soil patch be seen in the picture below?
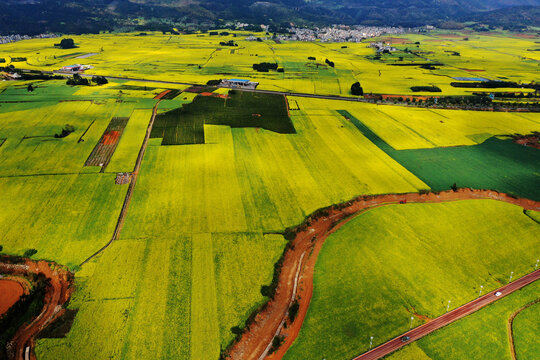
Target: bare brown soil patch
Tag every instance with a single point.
(10, 292)
(58, 293)
(532, 140)
(296, 276)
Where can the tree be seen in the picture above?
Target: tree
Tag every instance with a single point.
(454, 187)
(30, 88)
(100, 80)
(77, 80)
(356, 89)
(237, 330)
(68, 129)
(66, 44)
(30, 252)
(293, 310)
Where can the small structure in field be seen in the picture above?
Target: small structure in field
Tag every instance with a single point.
(238, 84)
(123, 178)
(74, 69)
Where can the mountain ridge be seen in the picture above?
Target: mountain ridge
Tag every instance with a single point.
(38, 16)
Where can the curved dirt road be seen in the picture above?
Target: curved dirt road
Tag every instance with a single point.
(57, 293)
(510, 326)
(309, 239)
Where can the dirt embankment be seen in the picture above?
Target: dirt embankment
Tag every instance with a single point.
(57, 293)
(296, 276)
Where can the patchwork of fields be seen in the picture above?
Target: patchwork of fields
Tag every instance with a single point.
(197, 58)
(204, 225)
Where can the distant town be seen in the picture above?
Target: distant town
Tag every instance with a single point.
(13, 38)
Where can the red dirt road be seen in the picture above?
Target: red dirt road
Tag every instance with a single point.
(57, 294)
(10, 292)
(310, 236)
(448, 318)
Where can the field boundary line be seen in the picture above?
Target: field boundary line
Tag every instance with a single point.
(129, 193)
(510, 326)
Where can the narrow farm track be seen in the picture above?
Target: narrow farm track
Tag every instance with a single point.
(309, 240)
(57, 293)
(510, 327)
(127, 199)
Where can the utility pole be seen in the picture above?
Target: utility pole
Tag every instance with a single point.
(412, 319)
(370, 343)
(480, 293)
(535, 266)
(448, 306)
(511, 274)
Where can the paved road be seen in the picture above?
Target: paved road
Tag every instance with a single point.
(448, 318)
(328, 97)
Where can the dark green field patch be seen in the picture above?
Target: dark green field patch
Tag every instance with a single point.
(241, 109)
(495, 164)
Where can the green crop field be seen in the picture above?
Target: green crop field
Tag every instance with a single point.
(483, 335)
(398, 261)
(495, 164)
(202, 231)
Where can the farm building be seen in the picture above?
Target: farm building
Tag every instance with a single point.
(238, 84)
(75, 68)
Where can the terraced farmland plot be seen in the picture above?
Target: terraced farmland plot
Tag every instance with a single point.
(398, 261)
(104, 150)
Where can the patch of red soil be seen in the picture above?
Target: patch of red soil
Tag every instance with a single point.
(296, 277)
(162, 94)
(110, 138)
(57, 293)
(10, 292)
(528, 140)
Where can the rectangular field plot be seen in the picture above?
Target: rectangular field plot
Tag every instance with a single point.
(104, 150)
(185, 125)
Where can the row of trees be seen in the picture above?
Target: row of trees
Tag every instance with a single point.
(79, 80)
(265, 67)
